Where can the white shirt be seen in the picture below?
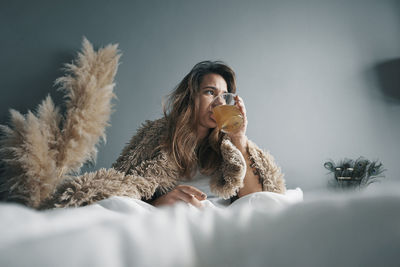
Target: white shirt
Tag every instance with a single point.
(202, 182)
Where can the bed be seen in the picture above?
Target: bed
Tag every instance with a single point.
(318, 228)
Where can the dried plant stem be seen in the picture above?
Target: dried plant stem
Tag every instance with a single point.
(40, 150)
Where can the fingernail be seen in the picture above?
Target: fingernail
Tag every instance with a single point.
(204, 195)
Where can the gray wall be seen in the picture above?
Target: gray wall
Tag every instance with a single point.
(320, 79)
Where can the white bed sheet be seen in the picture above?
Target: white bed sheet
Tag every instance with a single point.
(261, 229)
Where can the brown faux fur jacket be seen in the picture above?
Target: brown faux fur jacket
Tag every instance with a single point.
(143, 172)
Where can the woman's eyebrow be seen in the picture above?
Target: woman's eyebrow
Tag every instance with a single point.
(210, 87)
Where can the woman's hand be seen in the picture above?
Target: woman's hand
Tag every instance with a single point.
(185, 193)
(239, 138)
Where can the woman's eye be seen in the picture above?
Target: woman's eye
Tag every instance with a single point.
(209, 92)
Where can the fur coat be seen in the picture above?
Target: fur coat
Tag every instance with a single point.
(144, 172)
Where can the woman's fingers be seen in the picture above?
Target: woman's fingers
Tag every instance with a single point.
(186, 193)
(192, 191)
(240, 104)
(188, 198)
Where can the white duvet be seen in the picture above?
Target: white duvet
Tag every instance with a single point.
(261, 229)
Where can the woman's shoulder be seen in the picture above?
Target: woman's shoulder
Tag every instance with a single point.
(152, 128)
(149, 134)
(144, 144)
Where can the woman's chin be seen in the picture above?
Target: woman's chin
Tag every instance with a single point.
(212, 122)
(212, 125)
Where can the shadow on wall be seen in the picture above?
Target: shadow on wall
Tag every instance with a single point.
(23, 94)
(33, 88)
(388, 77)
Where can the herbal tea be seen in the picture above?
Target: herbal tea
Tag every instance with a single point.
(228, 117)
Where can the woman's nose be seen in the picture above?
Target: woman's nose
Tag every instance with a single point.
(218, 101)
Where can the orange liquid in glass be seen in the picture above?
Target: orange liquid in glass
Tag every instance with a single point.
(228, 118)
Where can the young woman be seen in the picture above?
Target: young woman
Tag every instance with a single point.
(169, 151)
(160, 163)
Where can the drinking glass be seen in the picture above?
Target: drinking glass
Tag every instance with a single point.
(227, 115)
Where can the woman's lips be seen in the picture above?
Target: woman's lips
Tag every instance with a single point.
(212, 117)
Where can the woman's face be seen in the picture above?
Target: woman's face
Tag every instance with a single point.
(211, 86)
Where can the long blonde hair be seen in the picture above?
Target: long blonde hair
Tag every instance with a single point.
(181, 111)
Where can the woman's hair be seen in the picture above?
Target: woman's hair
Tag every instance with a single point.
(181, 112)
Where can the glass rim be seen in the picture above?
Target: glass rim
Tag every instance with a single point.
(227, 93)
(231, 101)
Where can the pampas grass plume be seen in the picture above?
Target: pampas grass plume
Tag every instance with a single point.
(40, 150)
